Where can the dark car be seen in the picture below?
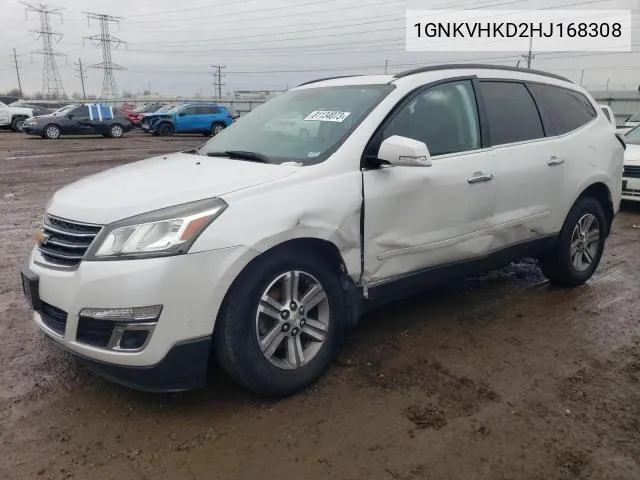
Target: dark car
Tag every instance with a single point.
(87, 119)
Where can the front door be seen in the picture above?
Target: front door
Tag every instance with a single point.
(420, 217)
(78, 121)
(187, 119)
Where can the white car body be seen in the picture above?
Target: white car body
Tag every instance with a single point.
(416, 218)
(9, 114)
(631, 175)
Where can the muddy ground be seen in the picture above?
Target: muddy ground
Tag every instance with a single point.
(495, 377)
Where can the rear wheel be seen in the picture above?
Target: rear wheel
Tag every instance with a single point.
(16, 124)
(282, 323)
(51, 132)
(579, 247)
(116, 131)
(165, 130)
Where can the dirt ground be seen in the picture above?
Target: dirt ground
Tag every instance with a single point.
(495, 377)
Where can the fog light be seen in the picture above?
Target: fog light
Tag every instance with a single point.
(130, 314)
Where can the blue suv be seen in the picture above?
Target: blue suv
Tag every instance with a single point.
(204, 118)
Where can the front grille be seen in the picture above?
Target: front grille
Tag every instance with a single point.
(66, 241)
(94, 332)
(54, 318)
(631, 171)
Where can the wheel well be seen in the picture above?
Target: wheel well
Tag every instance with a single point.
(15, 117)
(601, 193)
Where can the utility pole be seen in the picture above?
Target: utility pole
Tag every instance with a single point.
(14, 59)
(386, 64)
(51, 79)
(217, 79)
(582, 77)
(608, 80)
(82, 76)
(105, 40)
(530, 56)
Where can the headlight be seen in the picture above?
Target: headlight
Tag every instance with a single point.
(170, 231)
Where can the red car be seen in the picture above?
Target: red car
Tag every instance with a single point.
(135, 115)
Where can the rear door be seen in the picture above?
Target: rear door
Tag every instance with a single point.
(528, 172)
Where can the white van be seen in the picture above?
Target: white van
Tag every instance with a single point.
(259, 247)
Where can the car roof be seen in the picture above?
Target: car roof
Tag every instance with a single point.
(428, 74)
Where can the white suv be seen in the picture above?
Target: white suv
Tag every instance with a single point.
(14, 117)
(259, 247)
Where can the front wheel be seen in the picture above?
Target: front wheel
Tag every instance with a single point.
(165, 130)
(51, 132)
(282, 323)
(579, 247)
(217, 128)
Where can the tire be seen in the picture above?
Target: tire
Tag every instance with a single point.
(216, 128)
(16, 124)
(578, 250)
(116, 131)
(165, 130)
(240, 327)
(51, 132)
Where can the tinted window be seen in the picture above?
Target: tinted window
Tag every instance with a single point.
(567, 110)
(512, 114)
(193, 110)
(82, 111)
(444, 117)
(606, 113)
(207, 109)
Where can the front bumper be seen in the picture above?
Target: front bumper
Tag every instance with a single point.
(190, 289)
(631, 189)
(31, 129)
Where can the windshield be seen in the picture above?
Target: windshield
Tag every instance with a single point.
(63, 110)
(303, 126)
(140, 109)
(166, 108)
(632, 137)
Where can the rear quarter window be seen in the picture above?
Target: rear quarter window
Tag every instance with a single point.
(567, 110)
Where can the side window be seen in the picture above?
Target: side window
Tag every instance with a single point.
(192, 110)
(568, 110)
(511, 111)
(606, 114)
(444, 117)
(80, 112)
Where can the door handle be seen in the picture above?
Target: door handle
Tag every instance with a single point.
(480, 177)
(553, 161)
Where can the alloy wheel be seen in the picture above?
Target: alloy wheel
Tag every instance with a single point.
(292, 320)
(584, 242)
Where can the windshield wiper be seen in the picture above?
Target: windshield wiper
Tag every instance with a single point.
(241, 155)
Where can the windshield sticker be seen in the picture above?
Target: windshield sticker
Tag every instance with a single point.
(313, 154)
(327, 116)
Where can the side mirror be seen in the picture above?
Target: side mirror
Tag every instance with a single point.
(70, 116)
(403, 151)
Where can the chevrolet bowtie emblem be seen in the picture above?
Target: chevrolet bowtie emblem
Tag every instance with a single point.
(41, 237)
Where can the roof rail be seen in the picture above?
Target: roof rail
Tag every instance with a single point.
(458, 66)
(327, 78)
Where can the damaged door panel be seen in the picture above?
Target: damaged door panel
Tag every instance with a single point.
(416, 217)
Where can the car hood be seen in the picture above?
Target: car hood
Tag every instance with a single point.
(21, 111)
(157, 183)
(632, 155)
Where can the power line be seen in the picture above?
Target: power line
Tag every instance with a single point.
(105, 40)
(15, 62)
(81, 75)
(51, 79)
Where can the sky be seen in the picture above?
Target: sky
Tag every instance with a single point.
(270, 44)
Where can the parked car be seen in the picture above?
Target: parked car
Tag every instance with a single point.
(86, 119)
(631, 175)
(14, 117)
(204, 118)
(606, 109)
(258, 251)
(137, 113)
(166, 108)
(294, 124)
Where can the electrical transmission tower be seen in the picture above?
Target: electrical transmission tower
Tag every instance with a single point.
(217, 79)
(105, 40)
(81, 75)
(51, 79)
(16, 63)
